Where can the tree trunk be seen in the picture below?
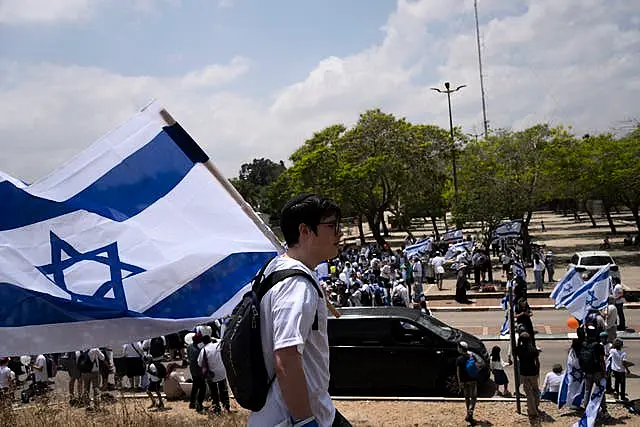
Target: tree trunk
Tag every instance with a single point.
(435, 227)
(385, 229)
(446, 227)
(576, 212)
(607, 212)
(361, 230)
(593, 221)
(374, 225)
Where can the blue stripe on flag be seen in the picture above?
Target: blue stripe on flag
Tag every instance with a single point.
(123, 192)
(201, 297)
(206, 293)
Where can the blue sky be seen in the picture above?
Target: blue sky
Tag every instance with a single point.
(250, 78)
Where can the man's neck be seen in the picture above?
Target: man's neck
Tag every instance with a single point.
(305, 258)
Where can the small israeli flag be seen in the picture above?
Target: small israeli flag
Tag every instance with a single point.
(518, 270)
(593, 295)
(418, 248)
(504, 330)
(571, 282)
(572, 385)
(591, 413)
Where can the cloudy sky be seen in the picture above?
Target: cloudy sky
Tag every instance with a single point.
(255, 78)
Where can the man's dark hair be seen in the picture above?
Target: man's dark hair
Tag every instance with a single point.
(308, 209)
(206, 339)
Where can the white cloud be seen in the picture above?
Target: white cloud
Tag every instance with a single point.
(573, 62)
(45, 12)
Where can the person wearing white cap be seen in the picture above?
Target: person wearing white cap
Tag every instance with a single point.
(467, 380)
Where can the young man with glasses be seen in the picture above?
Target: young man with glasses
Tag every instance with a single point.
(293, 323)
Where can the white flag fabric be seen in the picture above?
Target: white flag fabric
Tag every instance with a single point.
(504, 330)
(418, 248)
(571, 282)
(591, 413)
(572, 386)
(452, 236)
(594, 294)
(131, 239)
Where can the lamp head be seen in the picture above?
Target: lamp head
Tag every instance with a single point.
(446, 85)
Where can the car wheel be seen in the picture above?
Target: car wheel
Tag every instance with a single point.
(450, 386)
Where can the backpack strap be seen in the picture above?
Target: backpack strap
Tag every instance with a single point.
(261, 287)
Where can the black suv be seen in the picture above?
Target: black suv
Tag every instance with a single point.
(393, 351)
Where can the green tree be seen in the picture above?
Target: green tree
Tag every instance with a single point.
(253, 182)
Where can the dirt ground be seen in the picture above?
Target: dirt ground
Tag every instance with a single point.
(360, 413)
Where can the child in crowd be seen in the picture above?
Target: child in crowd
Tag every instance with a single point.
(619, 368)
(157, 372)
(499, 376)
(551, 385)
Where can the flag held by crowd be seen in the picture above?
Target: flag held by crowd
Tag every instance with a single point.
(593, 294)
(418, 248)
(504, 330)
(133, 238)
(458, 248)
(572, 385)
(571, 282)
(518, 270)
(507, 229)
(588, 419)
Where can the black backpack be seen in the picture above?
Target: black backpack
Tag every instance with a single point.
(365, 297)
(156, 347)
(85, 365)
(396, 300)
(587, 358)
(241, 345)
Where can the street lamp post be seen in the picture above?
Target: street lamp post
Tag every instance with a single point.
(449, 91)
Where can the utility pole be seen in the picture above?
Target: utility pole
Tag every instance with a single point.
(484, 105)
(449, 91)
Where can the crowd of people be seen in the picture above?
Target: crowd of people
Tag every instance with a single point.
(149, 366)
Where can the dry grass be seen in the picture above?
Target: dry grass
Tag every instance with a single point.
(123, 413)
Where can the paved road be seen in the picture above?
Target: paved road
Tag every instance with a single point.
(546, 322)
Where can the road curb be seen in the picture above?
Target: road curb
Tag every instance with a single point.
(436, 399)
(628, 306)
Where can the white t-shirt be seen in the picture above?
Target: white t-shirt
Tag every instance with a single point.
(437, 263)
(552, 382)
(401, 290)
(6, 374)
(95, 355)
(617, 356)
(214, 360)
(130, 350)
(538, 265)
(618, 293)
(40, 374)
(287, 315)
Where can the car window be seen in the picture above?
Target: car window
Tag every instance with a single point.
(405, 332)
(599, 260)
(359, 331)
(442, 330)
(574, 260)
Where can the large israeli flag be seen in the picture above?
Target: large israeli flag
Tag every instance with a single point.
(594, 294)
(570, 283)
(590, 415)
(133, 238)
(458, 248)
(418, 248)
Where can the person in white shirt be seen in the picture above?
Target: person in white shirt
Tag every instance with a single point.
(551, 384)
(417, 276)
(611, 317)
(134, 363)
(7, 378)
(293, 321)
(538, 271)
(619, 367)
(40, 370)
(172, 388)
(210, 360)
(438, 268)
(400, 295)
(92, 379)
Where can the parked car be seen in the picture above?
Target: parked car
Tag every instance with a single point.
(592, 261)
(397, 351)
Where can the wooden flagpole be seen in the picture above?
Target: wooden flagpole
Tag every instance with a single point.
(246, 208)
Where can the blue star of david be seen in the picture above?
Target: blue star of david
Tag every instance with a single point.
(576, 374)
(107, 255)
(567, 288)
(591, 298)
